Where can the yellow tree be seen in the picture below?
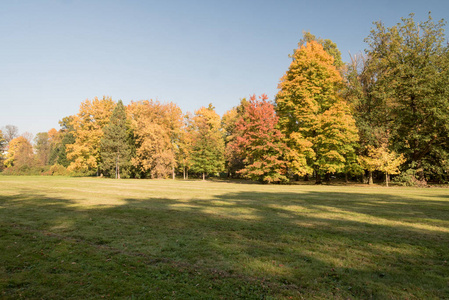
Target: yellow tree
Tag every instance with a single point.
(88, 126)
(208, 142)
(55, 138)
(382, 159)
(317, 123)
(156, 129)
(390, 162)
(20, 153)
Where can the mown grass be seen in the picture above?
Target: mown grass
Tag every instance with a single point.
(63, 238)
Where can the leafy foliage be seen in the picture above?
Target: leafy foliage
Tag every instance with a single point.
(410, 65)
(156, 129)
(115, 148)
(317, 122)
(261, 143)
(234, 159)
(208, 142)
(20, 153)
(88, 126)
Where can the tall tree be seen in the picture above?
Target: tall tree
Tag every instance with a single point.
(88, 126)
(261, 143)
(55, 139)
(43, 148)
(156, 128)
(410, 63)
(184, 146)
(316, 121)
(234, 159)
(115, 148)
(10, 132)
(208, 142)
(66, 136)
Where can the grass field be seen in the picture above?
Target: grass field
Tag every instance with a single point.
(63, 238)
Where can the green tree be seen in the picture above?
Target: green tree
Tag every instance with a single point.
(67, 137)
(184, 146)
(410, 65)
(43, 148)
(208, 143)
(115, 143)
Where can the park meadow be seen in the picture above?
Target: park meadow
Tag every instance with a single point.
(86, 237)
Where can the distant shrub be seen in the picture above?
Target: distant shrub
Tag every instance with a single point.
(409, 178)
(58, 170)
(26, 170)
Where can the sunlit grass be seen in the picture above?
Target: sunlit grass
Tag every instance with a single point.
(91, 237)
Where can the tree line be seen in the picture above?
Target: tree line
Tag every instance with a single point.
(385, 112)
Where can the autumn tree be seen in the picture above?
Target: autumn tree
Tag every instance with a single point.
(382, 159)
(233, 158)
(65, 136)
(20, 153)
(10, 132)
(316, 121)
(54, 137)
(410, 67)
(261, 143)
(208, 143)
(88, 126)
(115, 148)
(156, 130)
(43, 148)
(328, 45)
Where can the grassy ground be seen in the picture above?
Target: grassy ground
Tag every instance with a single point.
(68, 238)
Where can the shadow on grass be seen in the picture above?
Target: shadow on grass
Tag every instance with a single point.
(310, 244)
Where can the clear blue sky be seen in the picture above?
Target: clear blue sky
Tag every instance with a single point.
(55, 54)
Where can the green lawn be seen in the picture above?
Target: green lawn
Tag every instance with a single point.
(98, 238)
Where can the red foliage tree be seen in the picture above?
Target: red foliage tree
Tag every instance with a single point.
(261, 142)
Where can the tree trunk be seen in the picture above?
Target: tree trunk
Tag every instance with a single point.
(346, 177)
(204, 176)
(386, 179)
(117, 168)
(184, 173)
(370, 177)
(317, 178)
(173, 173)
(306, 177)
